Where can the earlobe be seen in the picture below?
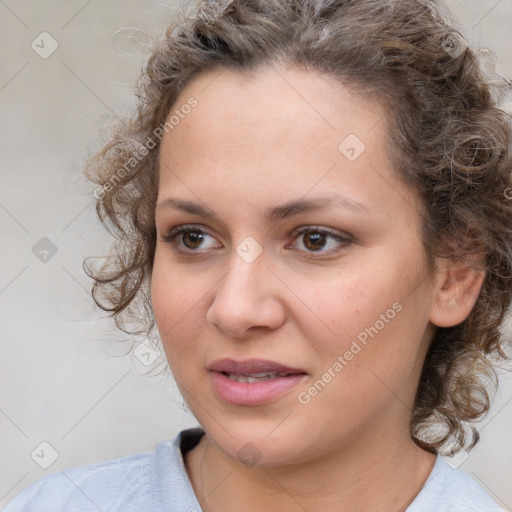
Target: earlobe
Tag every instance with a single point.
(456, 290)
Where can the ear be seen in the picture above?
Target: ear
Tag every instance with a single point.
(456, 289)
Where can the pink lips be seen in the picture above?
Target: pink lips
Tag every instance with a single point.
(251, 366)
(245, 393)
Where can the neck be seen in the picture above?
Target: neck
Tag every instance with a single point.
(377, 475)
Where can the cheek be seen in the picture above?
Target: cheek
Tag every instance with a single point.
(340, 309)
(377, 341)
(368, 317)
(368, 360)
(176, 303)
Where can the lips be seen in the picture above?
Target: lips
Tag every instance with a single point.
(252, 366)
(254, 381)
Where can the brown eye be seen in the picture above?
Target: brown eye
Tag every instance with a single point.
(189, 239)
(314, 241)
(193, 239)
(319, 240)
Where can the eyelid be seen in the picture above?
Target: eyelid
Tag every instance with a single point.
(343, 239)
(324, 230)
(181, 229)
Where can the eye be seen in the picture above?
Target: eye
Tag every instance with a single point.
(188, 239)
(314, 239)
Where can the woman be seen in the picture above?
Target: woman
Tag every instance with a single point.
(312, 207)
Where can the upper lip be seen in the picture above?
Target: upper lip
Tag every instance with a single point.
(251, 366)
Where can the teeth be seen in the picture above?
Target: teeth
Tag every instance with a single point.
(256, 377)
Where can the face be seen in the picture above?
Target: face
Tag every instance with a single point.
(301, 247)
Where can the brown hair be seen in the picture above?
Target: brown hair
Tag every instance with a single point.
(453, 145)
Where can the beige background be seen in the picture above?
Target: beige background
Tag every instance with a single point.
(63, 378)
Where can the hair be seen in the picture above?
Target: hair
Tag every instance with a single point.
(452, 145)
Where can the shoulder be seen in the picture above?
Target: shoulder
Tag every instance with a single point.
(154, 481)
(117, 484)
(451, 489)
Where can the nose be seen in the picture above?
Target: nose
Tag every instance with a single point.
(247, 299)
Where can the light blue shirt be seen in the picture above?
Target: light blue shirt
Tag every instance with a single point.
(158, 482)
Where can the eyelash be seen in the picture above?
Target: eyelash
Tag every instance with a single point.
(171, 237)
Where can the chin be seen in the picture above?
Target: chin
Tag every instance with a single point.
(258, 447)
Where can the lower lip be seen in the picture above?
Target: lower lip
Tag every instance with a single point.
(246, 393)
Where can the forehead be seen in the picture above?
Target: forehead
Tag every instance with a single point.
(278, 131)
(273, 108)
(273, 99)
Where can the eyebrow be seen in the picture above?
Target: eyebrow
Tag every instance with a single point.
(273, 214)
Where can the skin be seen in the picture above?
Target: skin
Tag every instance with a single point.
(253, 142)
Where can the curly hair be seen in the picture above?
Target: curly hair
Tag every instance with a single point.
(452, 144)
